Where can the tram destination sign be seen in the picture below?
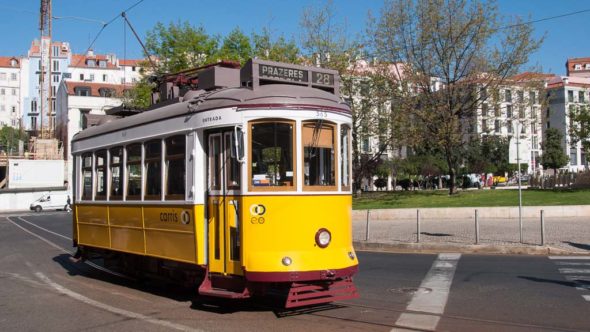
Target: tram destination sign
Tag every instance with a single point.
(295, 75)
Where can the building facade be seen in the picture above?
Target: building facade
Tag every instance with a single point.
(10, 91)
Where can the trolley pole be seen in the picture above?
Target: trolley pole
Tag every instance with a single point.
(476, 228)
(542, 227)
(367, 230)
(417, 226)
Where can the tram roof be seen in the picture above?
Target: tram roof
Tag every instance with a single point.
(265, 96)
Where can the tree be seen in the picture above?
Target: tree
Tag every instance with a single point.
(553, 155)
(236, 46)
(368, 92)
(9, 138)
(139, 96)
(579, 129)
(449, 46)
(180, 46)
(281, 50)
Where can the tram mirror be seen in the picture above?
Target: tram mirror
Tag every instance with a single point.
(238, 144)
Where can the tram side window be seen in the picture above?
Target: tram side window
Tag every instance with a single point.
(271, 158)
(232, 167)
(319, 155)
(153, 169)
(134, 172)
(345, 153)
(175, 167)
(101, 175)
(116, 166)
(87, 176)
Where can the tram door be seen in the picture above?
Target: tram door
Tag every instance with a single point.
(224, 224)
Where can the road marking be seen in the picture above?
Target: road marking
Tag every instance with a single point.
(45, 229)
(572, 264)
(570, 271)
(569, 257)
(79, 297)
(577, 278)
(432, 304)
(586, 297)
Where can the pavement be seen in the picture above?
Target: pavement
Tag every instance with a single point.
(562, 235)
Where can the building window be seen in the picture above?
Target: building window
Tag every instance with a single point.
(484, 109)
(55, 65)
(532, 97)
(82, 91)
(55, 50)
(55, 78)
(484, 125)
(102, 64)
(33, 123)
(175, 177)
(272, 155)
(13, 92)
(508, 96)
(134, 172)
(577, 66)
(13, 76)
(116, 166)
(573, 157)
(521, 111)
(509, 126)
(520, 96)
(2, 92)
(133, 68)
(91, 78)
(497, 112)
(104, 92)
(104, 77)
(91, 63)
(34, 106)
(54, 90)
(13, 109)
(2, 108)
(570, 96)
(497, 126)
(13, 62)
(81, 77)
(87, 176)
(581, 98)
(319, 155)
(153, 169)
(508, 111)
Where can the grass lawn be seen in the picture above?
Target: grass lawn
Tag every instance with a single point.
(469, 198)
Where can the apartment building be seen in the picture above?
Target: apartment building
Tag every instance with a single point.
(566, 93)
(10, 91)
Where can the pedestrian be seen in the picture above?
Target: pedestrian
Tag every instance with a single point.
(69, 204)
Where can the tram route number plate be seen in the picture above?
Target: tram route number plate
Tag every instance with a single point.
(295, 75)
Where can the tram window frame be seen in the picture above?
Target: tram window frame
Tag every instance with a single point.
(284, 187)
(169, 164)
(87, 168)
(335, 153)
(152, 164)
(215, 162)
(100, 171)
(118, 166)
(132, 163)
(233, 170)
(345, 163)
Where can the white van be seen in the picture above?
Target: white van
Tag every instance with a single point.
(51, 201)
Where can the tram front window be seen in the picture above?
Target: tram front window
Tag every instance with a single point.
(272, 162)
(319, 155)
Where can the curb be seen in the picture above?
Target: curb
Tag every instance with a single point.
(467, 249)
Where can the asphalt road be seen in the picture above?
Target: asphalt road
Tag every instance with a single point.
(41, 288)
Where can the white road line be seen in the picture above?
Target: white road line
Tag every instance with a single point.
(569, 257)
(438, 280)
(106, 307)
(586, 297)
(45, 229)
(570, 271)
(572, 264)
(579, 278)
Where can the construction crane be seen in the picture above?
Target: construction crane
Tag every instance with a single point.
(45, 92)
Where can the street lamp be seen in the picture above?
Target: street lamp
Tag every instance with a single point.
(517, 129)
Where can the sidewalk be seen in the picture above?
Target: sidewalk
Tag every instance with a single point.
(563, 235)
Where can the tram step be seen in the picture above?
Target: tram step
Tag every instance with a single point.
(302, 294)
(231, 290)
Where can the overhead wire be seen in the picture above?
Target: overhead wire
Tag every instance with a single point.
(545, 19)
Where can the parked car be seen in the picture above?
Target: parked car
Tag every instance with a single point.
(51, 201)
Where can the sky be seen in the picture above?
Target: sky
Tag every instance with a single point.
(565, 37)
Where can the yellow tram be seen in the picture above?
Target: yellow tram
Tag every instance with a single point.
(238, 180)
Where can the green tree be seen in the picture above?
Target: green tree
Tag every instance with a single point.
(265, 48)
(180, 46)
(139, 96)
(236, 46)
(447, 47)
(553, 155)
(9, 138)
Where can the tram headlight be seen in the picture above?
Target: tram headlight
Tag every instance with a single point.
(323, 238)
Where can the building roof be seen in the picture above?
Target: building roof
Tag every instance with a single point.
(532, 76)
(94, 88)
(35, 50)
(562, 81)
(5, 61)
(130, 62)
(571, 62)
(81, 61)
